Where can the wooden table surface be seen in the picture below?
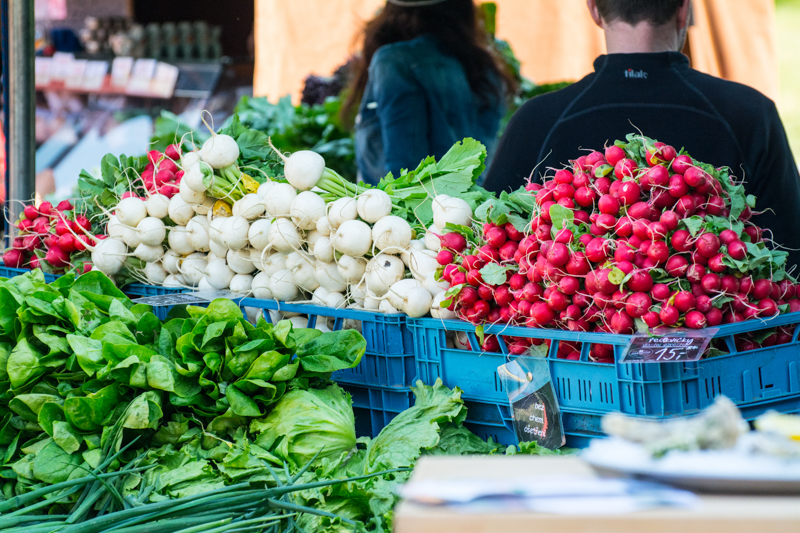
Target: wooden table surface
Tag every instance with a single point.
(716, 514)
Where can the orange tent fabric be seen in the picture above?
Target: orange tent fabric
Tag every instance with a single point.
(555, 41)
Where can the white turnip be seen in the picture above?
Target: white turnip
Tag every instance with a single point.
(170, 262)
(179, 211)
(306, 209)
(451, 210)
(258, 234)
(274, 262)
(391, 234)
(178, 241)
(109, 255)
(282, 286)
(155, 273)
(373, 204)
(284, 237)
(193, 268)
(148, 254)
(279, 200)
(239, 261)
(328, 276)
(242, 283)
(438, 311)
(130, 211)
(352, 269)
(432, 240)
(353, 238)
(303, 169)
(197, 233)
(261, 286)
(220, 151)
(219, 274)
(152, 231)
(383, 271)
(250, 206)
(236, 231)
(323, 250)
(157, 206)
(340, 211)
(324, 227)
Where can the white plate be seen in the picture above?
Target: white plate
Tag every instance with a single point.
(721, 471)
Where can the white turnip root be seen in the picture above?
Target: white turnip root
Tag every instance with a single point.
(324, 227)
(335, 300)
(263, 189)
(157, 206)
(250, 206)
(302, 268)
(417, 244)
(258, 234)
(114, 228)
(303, 169)
(155, 273)
(239, 261)
(130, 237)
(431, 285)
(189, 158)
(358, 294)
(170, 262)
(311, 238)
(328, 276)
(178, 242)
(319, 295)
(282, 286)
(439, 311)
(432, 240)
(109, 255)
(391, 234)
(152, 231)
(284, 236)
(193, 178)
(220, 151)
(173, 281)
(398, 291)
(216, 232)
(235, 232)
(130, 211)
(299, 322)
(261, 286)
(189, 195)
(421, 262)
(417, 302)
(242, 283)
(372, 304)
(274, 262)
(373, 204)
(383, 271)
(206, 207)
(451, 211)
(217, 249)
(204, 285)
(148, 254)
(279, 200)
(352, 269)
(193, 268)
(340, 211)
(306, 209)
(353, 238)
(387, 308)
(323, 250)
(197, 233)
(179, 211)
(219, 274)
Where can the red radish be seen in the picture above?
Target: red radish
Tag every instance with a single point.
(684, 301)
(64, 205)
(716, 263)
(167, 165)
(513, 233)
(129, 194)
(45, 209)
(447, 273)
(503, 295)
(639, 210)
(585, 197)
(652, 319)
(557, 301)
(62, 227)
(162, 177)
(638, 304)
(508, 250)
(729, 284)
(629, 193)
(703, 303)
(567, 202)
(541, 315)
(173, 152)
(563, 176)
(670, 220)
(713, 317)
(563, 190)
(694, 176)
(728, 236)
(695, 320)
(622, 323)
(658, 252)
(87, 267)
(581, 180)
(677, 186)
(711, 282)
(761, 289)
(57, 257)
(13, 258)
(685, 206)
(485, 292)
(682, 163)
(640, 281)
(30, 212)
(489, 254)
(608, 205)
(445, 257)
(614, 154)
(602, 185)
(754, 232)
(41, 225)
(533, 187)
(657, 231)
(467, 297)
(737, 250)
(25, 224)
(677, 265)
(154, 156)
(669, 315)
(458, 278)
(474, 278)
(625, 168)
(67, 242)
(707, 245)
(496, 237)
(767, 307)
(490, 344)
(473, 262)
(597, 250)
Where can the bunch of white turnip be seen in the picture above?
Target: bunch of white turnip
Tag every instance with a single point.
(282, 241)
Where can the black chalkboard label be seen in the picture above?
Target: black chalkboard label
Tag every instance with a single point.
(537, 418)
(677, 347)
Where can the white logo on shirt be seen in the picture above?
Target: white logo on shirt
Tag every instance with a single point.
(630, 73)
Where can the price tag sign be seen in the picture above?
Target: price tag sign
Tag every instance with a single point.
(668, 346)
(121, 71)
(163, 83)
(534, 405)
(43, 67)
(62, 63)
(141, 76)
(94, 75)
(187, 298)
(75, 76)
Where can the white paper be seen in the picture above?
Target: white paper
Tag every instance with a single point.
(121, 71)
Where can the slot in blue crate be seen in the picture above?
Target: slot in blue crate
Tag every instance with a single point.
(389, 360)
(8, 272)
(374, 407)
(757, 380)
(139, 290)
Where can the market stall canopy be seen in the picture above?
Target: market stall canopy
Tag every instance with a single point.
(555, 41)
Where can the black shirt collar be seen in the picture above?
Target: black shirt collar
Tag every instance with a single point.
(641, 61)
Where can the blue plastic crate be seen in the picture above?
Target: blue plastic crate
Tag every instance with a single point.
(8, 272)
(374, 407)
(389, 360)
(757, 380)
(140, 290)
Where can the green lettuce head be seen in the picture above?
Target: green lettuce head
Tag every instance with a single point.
(305, 422)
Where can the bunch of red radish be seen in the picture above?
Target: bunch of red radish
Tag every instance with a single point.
(162, 175)
(625, 254)
(53, 235)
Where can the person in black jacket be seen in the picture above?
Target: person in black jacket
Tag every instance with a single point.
(646, 84)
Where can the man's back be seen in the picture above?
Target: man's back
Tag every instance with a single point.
(716, 121)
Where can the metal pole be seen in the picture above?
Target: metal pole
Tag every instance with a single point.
(21, 105)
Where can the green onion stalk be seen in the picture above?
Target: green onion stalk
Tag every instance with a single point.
(230, 183)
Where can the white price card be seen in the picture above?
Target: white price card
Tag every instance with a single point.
(62, 62)
(163, 83)
(121, 71)
(43, 67)
(141, 76)
(95, 75)
(75, 76)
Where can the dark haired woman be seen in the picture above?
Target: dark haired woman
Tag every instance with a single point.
(426, 79)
